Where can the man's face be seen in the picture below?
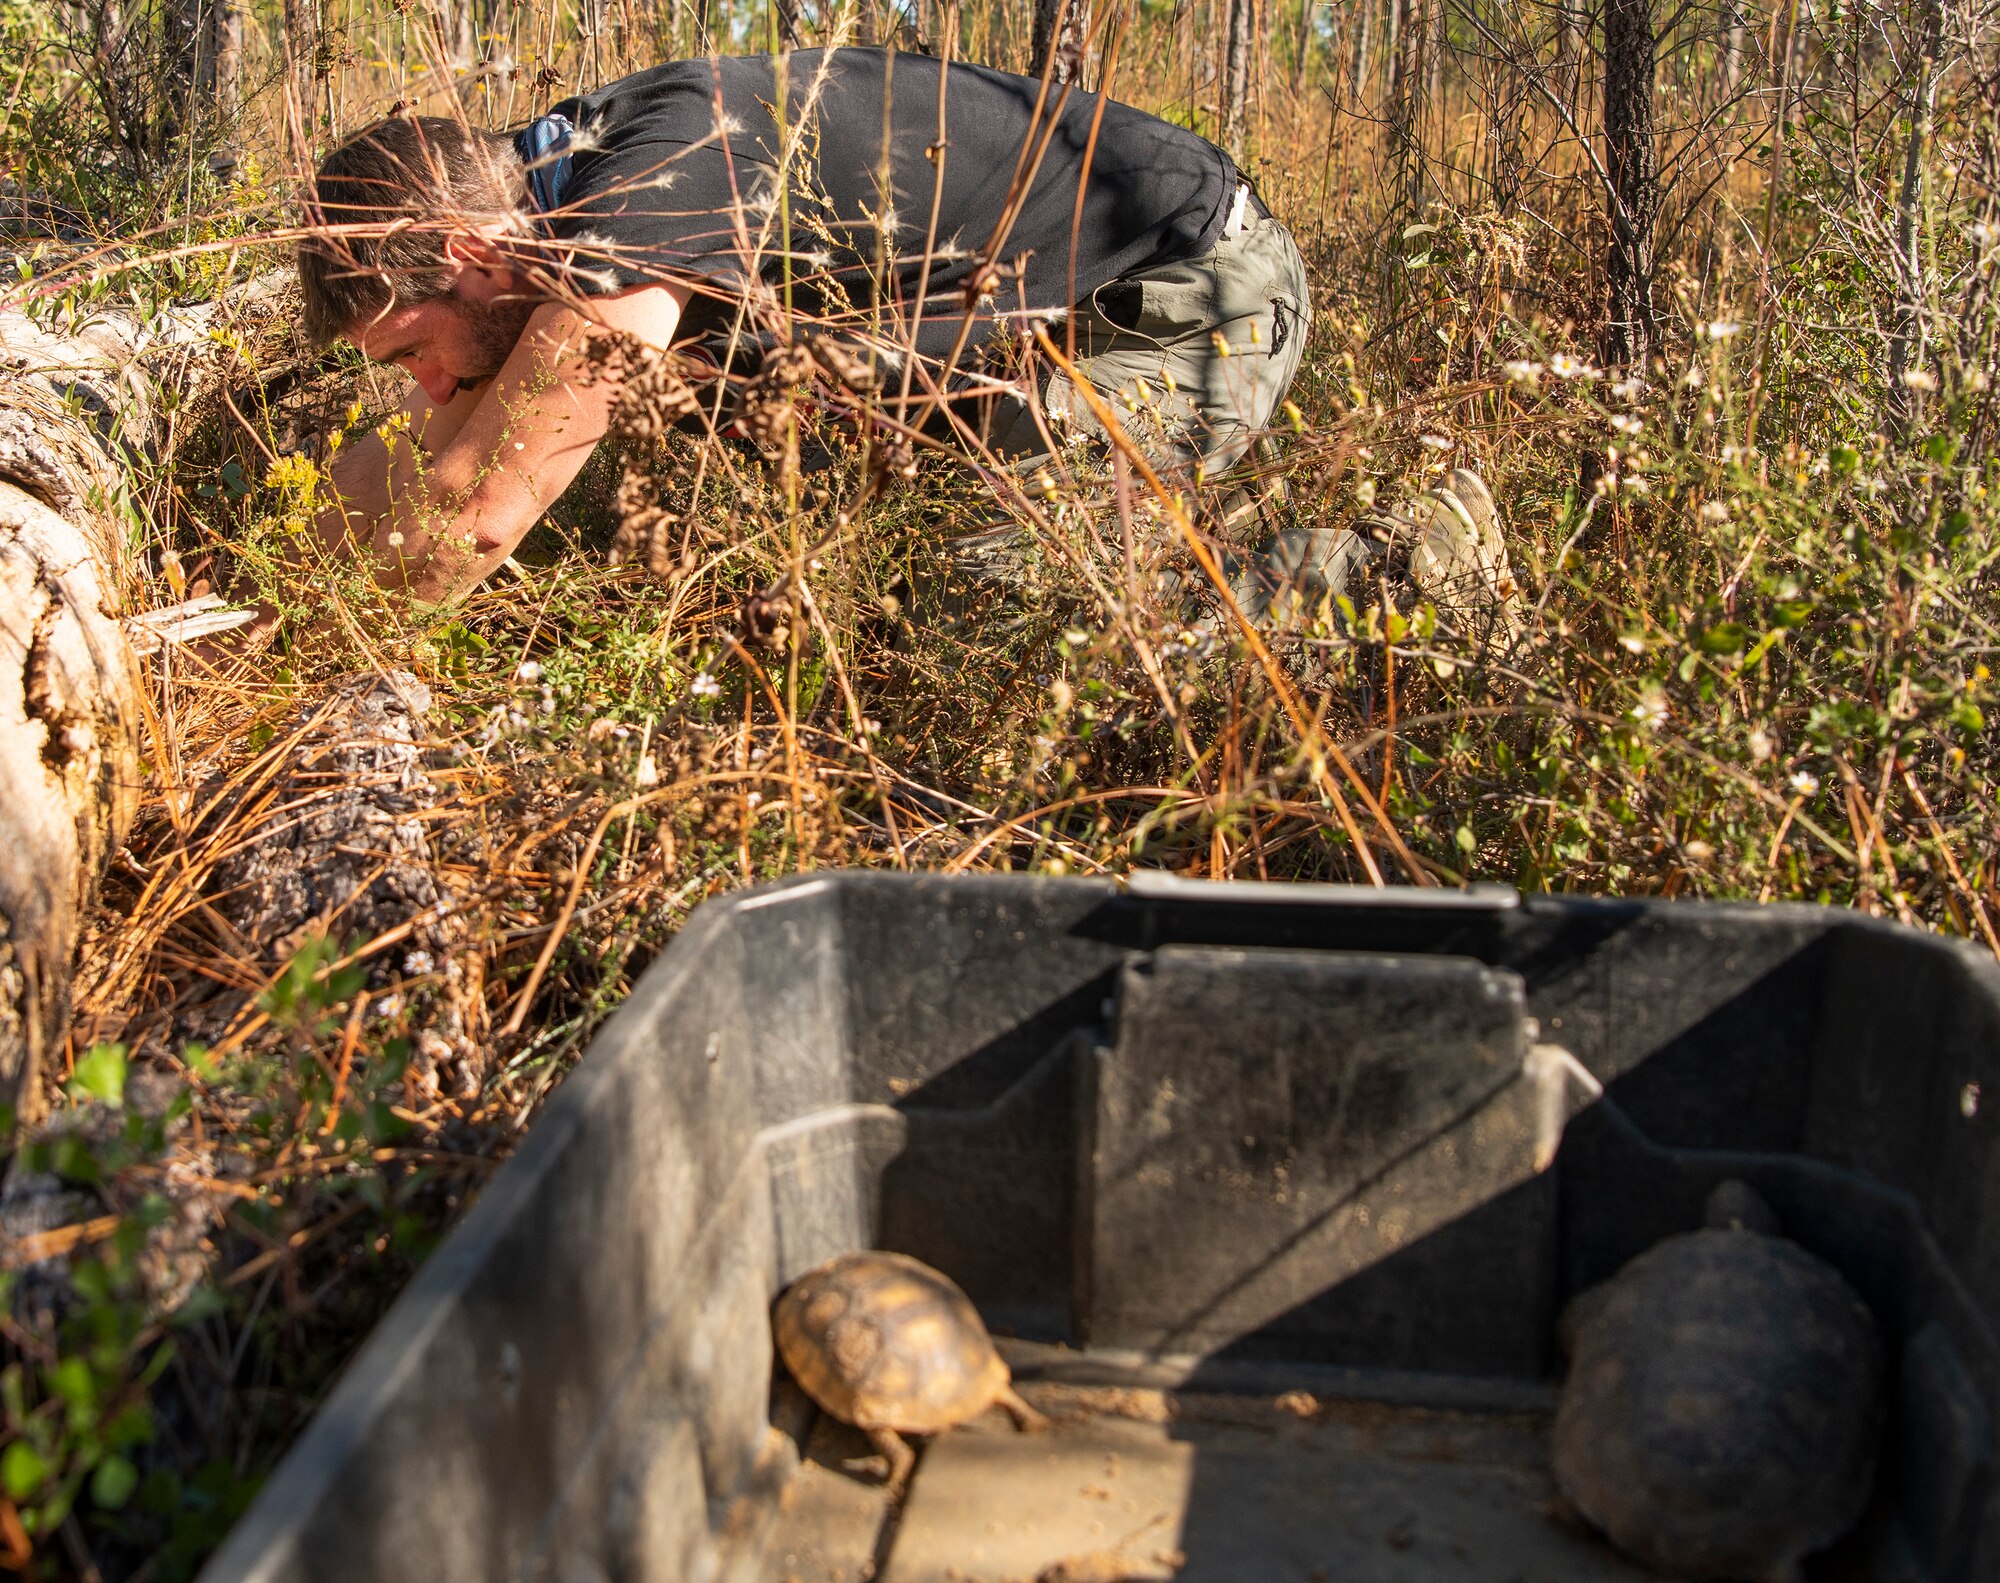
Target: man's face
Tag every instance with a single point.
(449, 343)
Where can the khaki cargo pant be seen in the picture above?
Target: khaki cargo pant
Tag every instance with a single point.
(1194, 356)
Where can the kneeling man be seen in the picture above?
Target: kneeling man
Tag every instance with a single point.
(932, 215)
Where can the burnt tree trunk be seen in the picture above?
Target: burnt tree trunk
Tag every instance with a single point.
(1408, 88)
(1906, 335)
(1236, 76)
(1062, 29)
(1362, 29)
(1631, 160)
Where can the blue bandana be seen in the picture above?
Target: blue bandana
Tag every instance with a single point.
(543, 145)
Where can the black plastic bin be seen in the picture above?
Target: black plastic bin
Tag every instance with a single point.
(1282, 1162)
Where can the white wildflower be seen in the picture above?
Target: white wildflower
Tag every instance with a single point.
(752, 799)
(528, 671)
(705, 686)
(1563, 366)
(1436, 442)
(418, 963)
(1651, 709)
(1629, 389)
(1522, 373)
(1632, 643)
(1723, 329)
(1805, 783)
(1626, 424)
(395, 538)
(1920, 379)
(1715, 511)
(1762, 745)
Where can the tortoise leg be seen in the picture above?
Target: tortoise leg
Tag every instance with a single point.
(1026, 1419)
(901, 1459)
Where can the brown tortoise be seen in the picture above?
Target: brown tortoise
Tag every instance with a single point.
(893, 1347)
(1724, 1401)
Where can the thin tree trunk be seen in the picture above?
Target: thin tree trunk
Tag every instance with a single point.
(1236, 77)
(1406, 98)
(1906, 339)
(1061, 34)
(1364, 20)
(1631, 158)
(1732, 46)
(302, 60)
(1569, 51)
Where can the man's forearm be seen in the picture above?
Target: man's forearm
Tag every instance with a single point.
(438, 497)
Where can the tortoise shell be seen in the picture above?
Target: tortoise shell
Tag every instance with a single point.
(882, 1341)
(1721, 1413)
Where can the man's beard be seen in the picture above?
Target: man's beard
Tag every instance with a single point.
(496, 330)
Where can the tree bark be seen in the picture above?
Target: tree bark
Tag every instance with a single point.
(1906, 336)
(1569, 51)
(1061, 35)
(1236, 77)
(69, 685)
(1631, 159)
(1406, 98)
(1363, 27)
(72, 409)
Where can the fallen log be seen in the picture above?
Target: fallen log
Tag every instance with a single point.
(74, 410)
(69, 683)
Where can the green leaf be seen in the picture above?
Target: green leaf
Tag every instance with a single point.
(1844, 460)
(1968, 716)
(22, 1470)
(1726, 638)
(100, 1074)
(1466, 839)
(71, 1158)
(111, 1486)
(72, 1382)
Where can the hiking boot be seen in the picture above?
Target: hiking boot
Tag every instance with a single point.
(1285, 582)
(1450, 542)
(1446, 544)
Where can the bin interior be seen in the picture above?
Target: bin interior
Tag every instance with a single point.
(1274, 1197)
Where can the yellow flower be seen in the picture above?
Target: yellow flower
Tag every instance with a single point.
(292, 473)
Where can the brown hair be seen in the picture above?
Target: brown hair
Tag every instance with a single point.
(395, 193)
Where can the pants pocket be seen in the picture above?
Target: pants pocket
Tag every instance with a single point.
(1162, 306)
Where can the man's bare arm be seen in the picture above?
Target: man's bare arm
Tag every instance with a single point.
(485, 465)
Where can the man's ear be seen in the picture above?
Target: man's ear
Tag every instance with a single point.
(483, 269)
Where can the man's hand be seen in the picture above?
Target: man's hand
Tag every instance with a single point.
(439, 503)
